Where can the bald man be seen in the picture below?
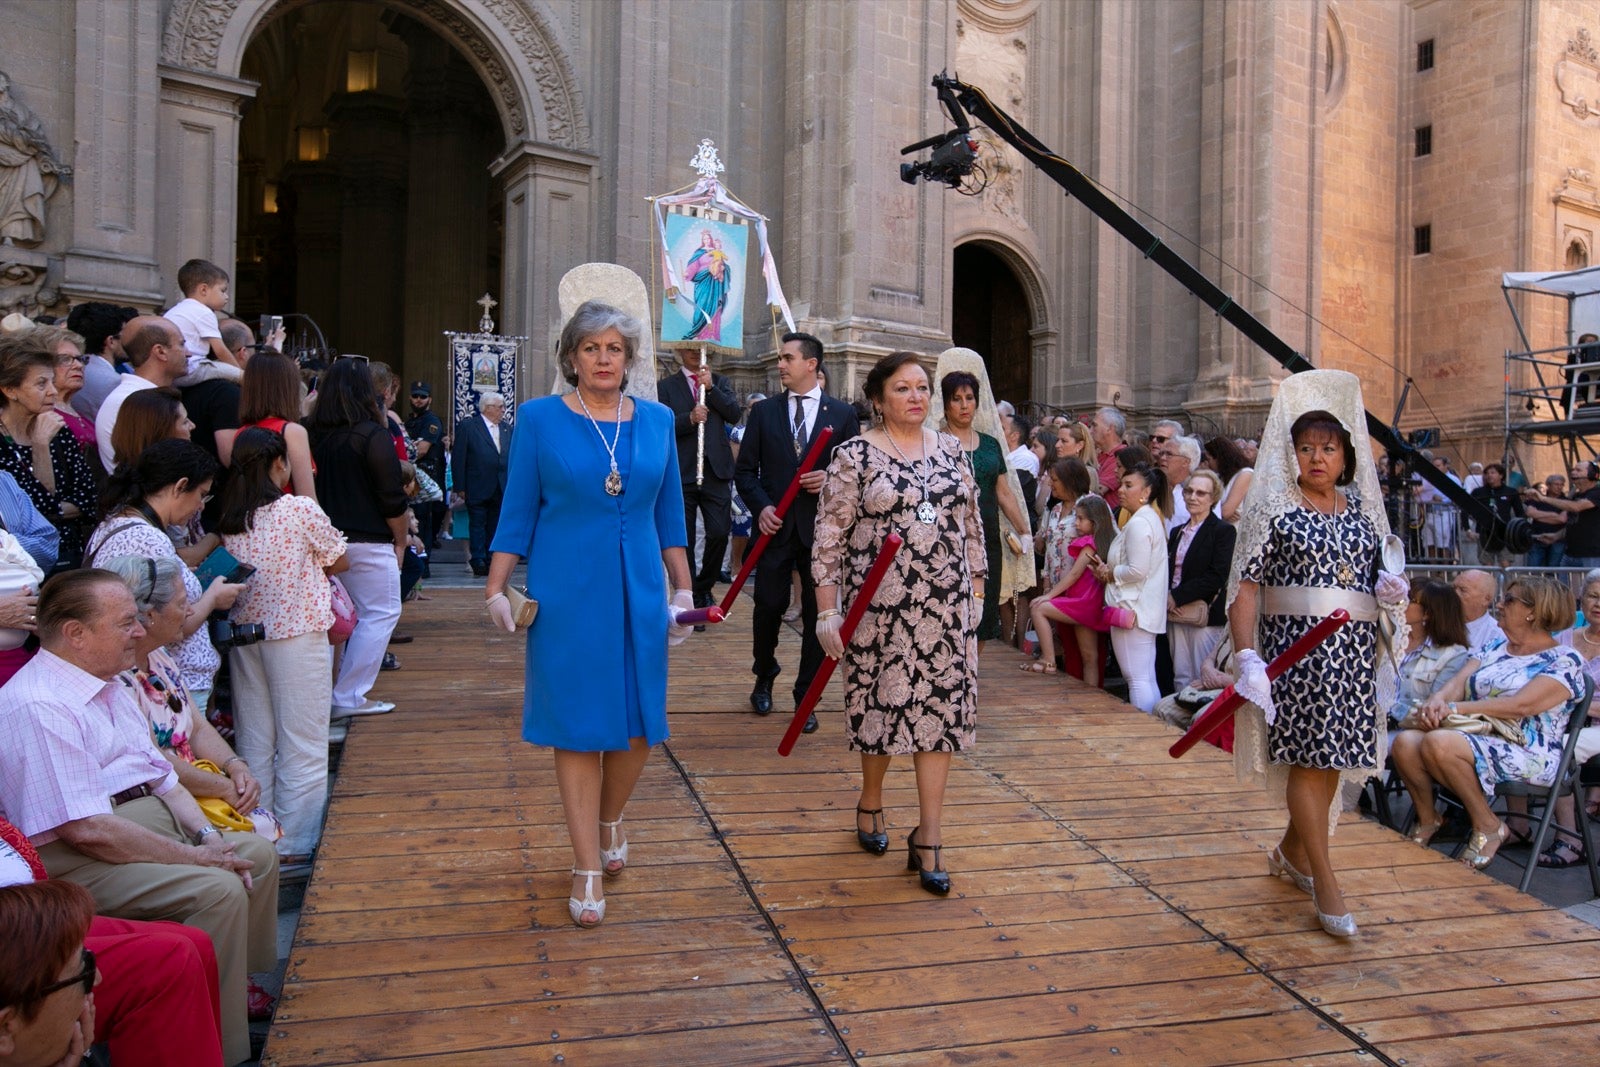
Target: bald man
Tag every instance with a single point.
(1478, 592)
(154, 346)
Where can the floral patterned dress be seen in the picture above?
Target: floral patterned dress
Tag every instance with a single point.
(1325, 701)
(1544, 734)
(911, 667)
(165, 702)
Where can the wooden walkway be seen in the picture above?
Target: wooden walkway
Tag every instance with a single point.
(1110, 904)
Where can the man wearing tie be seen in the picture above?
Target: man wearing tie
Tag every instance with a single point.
(777, 436)
(712, 499)
(478, 466)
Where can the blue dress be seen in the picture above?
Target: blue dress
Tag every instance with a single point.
(597, 651)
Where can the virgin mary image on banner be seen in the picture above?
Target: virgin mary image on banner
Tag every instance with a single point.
(710, 259)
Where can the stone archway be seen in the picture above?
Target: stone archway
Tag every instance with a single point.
(997, 310)
(544, 173)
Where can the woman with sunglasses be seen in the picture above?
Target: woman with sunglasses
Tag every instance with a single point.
(69, 978)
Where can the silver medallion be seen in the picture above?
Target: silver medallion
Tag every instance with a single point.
(926, 514)
(614, 483)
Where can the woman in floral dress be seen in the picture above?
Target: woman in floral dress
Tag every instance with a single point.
(1529, 682)
(911, 668)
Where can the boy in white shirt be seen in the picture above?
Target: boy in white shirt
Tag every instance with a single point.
(205, 292)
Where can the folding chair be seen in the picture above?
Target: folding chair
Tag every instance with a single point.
(1544, 798)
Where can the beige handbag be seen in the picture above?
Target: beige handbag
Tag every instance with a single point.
(1484, 725)
(523, 607)
(1194, 613)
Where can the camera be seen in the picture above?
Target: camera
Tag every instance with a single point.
(226, 634)
(953, 159)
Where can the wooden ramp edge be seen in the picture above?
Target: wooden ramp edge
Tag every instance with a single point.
(1110, 904)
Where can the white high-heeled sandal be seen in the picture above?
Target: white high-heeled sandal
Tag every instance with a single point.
(577, 907)
(1278, 866)
(617, 855)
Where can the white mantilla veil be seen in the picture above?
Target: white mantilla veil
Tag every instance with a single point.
(1016, 570)
(1273, 492)
(618, 286)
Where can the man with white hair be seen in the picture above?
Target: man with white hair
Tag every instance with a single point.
(1106, 433)
(1178, 460)
(1478, 591)
(478, 465)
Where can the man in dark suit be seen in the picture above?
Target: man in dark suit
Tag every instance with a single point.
(712, 499)
(777, 436)
(478, 465)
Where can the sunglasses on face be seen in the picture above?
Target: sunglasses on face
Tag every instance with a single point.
(85, 978)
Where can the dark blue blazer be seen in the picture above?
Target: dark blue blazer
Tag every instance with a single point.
(477, 468)
(767, 462)
(722, 411)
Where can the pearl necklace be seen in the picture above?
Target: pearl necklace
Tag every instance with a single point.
(614, 479)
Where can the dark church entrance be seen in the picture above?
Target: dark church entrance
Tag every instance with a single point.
(365, 198)
(990, 315)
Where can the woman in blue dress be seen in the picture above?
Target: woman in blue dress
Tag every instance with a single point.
(593, 502)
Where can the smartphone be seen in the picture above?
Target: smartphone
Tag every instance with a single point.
(222, 564)
(270, 324)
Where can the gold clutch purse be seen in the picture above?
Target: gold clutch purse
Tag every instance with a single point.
(523, 607)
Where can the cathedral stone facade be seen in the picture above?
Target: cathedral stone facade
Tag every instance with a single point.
(1356, 173)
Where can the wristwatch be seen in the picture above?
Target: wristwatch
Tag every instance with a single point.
(200, 835)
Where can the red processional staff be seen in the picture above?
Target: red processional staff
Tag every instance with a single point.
(1221, 710)
(852, 618)
(718, 612)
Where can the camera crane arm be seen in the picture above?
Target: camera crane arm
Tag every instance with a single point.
(958, 96)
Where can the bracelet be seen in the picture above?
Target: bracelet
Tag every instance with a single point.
(236, 759)
(977, 596)
(827, 613)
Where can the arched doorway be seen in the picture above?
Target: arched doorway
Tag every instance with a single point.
(366, 200)
(990, 314)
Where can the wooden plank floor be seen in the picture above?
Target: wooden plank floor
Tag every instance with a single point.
(1110, 904)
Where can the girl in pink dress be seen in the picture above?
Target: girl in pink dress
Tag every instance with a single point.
(1077, 598)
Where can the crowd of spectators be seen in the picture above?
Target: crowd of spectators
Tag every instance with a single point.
(160, 526)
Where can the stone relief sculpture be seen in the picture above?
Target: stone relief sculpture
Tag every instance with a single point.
(1578, 77)
(29, 171)
(1003, 59)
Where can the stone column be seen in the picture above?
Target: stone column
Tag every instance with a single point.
(369, 152)
(117, 98)
(447, 193)
(313, 188)
(198, 196)
(549, 200)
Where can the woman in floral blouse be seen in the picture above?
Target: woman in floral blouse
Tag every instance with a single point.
(179, 730)
(282, 686)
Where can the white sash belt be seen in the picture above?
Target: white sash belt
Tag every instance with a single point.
(1308, 600)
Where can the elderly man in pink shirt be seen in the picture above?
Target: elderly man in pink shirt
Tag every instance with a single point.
(81, 776)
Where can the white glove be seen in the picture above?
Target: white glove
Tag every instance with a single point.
(1392, 589)
(500, 614)
(830, 636)
(1253, 684)
(682, 600)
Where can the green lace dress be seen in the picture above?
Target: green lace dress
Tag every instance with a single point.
(988, 464)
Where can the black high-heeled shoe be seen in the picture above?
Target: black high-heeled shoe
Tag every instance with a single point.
(934, 879)
(876, 842)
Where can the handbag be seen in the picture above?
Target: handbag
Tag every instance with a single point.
(1482, 725)
(524, 609)
(224, 816)
(344, 612)
(1194, 613)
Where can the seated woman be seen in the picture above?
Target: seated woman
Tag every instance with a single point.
(1528, 684)
(1585, 641)
(1199, 557)
(1436, 649)
(1077, 597)
(180, 731)
(37, 449)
